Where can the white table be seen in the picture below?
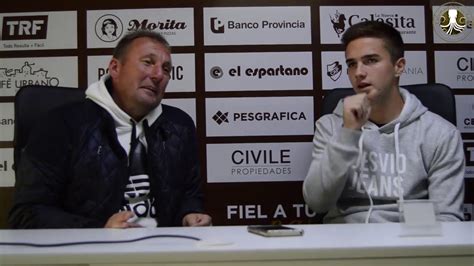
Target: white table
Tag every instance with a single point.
(355, 244)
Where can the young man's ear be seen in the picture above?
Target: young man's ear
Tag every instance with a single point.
(114, 67)
(399, 66)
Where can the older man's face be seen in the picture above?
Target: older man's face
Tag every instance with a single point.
(141, 77)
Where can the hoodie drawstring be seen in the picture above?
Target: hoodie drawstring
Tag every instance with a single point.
(359, 166)
(397, 153)
(133, 141)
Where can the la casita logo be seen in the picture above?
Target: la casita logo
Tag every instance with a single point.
(452, 22)
(340, 21)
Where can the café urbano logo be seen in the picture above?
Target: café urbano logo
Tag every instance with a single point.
(452, 22)
(25, 75)
(108, 28)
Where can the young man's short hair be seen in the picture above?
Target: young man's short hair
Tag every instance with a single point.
(376, 29)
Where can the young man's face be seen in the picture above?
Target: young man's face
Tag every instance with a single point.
(140, 78)
(371, 70)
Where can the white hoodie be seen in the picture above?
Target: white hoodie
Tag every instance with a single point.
(430, 165)
(98, 93)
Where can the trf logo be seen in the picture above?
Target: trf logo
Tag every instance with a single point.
(216, 25)
(24, 28)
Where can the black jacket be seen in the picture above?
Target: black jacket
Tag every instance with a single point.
(73, 171)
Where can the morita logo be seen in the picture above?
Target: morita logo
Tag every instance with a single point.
(24, 27)
(169, 24)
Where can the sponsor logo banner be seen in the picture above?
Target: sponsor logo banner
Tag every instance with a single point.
(47, 71)
(182, 74)
(465, 113)
(455, 68)
(409, 20)
(38, 30)
(334, 69)
(416, 70)
(259, 71)
(452, 23)
(269, 213)
(7, 121)
(257, 25)
(469, 153)
(106, 27)
(7, 175)
(259, 116)
(187, 105)
(258, 162)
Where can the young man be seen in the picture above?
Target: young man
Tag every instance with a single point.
(381, 144)
(117, 155)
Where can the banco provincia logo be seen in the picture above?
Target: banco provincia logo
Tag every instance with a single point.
(217, 26)
(452, 22)
(108, 28)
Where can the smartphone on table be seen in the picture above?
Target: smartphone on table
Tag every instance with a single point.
(274, 230)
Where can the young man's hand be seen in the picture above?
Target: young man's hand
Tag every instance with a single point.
(356, 111)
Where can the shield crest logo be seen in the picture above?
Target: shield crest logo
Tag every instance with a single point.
(334, 70)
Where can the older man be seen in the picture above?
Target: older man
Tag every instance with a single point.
(118, 155)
